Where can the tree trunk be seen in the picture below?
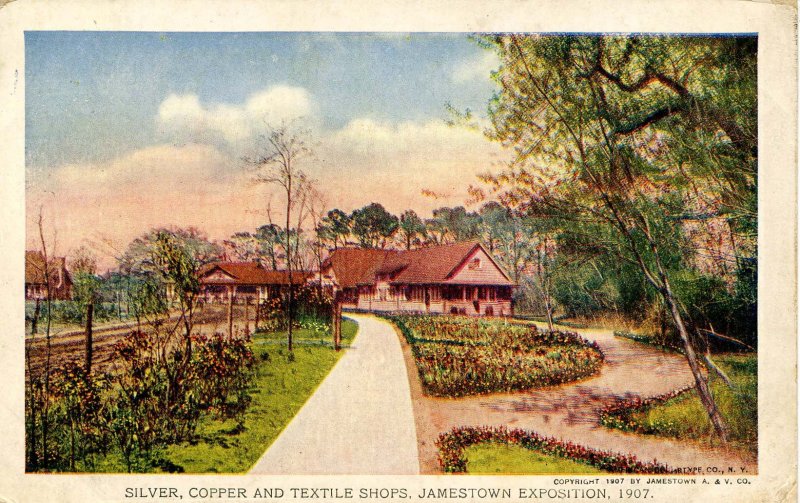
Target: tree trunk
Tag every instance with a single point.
(89, 315)
(230, 312)
(700, 381)
(337, 321)
(35, 320)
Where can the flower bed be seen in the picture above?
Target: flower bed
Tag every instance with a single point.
(466, 356)
(619, 414)
(453, 443)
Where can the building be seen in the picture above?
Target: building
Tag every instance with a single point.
(460, 278)
(35, 284)
(244, 281)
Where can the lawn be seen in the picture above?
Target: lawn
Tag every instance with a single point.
(492, 458)
(685, 417)
(281, 387)
(458, 356)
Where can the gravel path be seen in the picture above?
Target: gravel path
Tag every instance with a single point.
(359, 421)
(569, 411)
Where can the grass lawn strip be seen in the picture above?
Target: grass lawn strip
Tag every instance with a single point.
(680, 414)
(281, 387)
(453, 454)
(490, 458)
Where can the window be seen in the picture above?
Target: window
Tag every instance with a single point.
(474, 264)
(436, 293)
(417, 293)
(492, 293)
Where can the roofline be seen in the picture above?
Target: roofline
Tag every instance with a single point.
(478, 244)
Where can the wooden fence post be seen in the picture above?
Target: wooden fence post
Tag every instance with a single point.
(89, 314)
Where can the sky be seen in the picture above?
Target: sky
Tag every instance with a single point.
(126, 131)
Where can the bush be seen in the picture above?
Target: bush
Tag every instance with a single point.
(313, 308)
(155, 398)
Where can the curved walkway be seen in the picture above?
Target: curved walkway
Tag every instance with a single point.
(360, 419)
(570, 411)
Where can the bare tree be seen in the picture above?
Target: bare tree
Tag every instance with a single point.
(283, 151)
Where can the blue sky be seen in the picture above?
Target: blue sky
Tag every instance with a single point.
(131, 130)
(92, 95)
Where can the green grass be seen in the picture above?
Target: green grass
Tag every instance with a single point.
(491, 458)
(685, 417)
(281, 387)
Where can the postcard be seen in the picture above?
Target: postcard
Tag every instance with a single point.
(289, 251)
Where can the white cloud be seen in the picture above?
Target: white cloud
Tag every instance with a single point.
(184, 116)
(477, 68)
(156, 186)
(368, 160)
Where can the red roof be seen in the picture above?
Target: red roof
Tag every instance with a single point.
(431, 265)
(252, 273)
(34, 269)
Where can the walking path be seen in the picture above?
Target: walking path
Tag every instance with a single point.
(359, 421)
(570, 411)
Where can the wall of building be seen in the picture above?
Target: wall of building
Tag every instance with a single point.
(478, 269)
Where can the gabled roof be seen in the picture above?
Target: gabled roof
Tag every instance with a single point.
(253, 273)
(355, 266)
(431, 265)
(34, 269)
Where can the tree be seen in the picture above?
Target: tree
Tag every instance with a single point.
(450, 225)
(373, 226)
(243, 247)
(615, 137)
(269, 237)
(279, 164)
(178, 267)
(335, 227)
(83, 261)
(412, 229)
(137, 259)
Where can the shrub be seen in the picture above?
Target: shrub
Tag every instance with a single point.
(222, 370)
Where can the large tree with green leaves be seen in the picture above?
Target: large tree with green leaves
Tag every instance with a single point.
(373, 226)
(621, 140)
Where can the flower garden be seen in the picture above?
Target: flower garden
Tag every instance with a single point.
(460, 356)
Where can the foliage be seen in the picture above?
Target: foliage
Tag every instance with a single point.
(155, 397)
(639, 148)
(463, 356)
(74, 422)
(140, 257)
(373, 226)
(412, 229)
(313, 306)
(279, 389)
(452, 445)
(335, 228)
(221, 370)
(679, 413)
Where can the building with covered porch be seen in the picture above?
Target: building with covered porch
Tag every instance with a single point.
(244, 282)
(460, 278)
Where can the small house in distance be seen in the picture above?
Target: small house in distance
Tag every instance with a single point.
(35, 284)
(460, 278)
(244, 281)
